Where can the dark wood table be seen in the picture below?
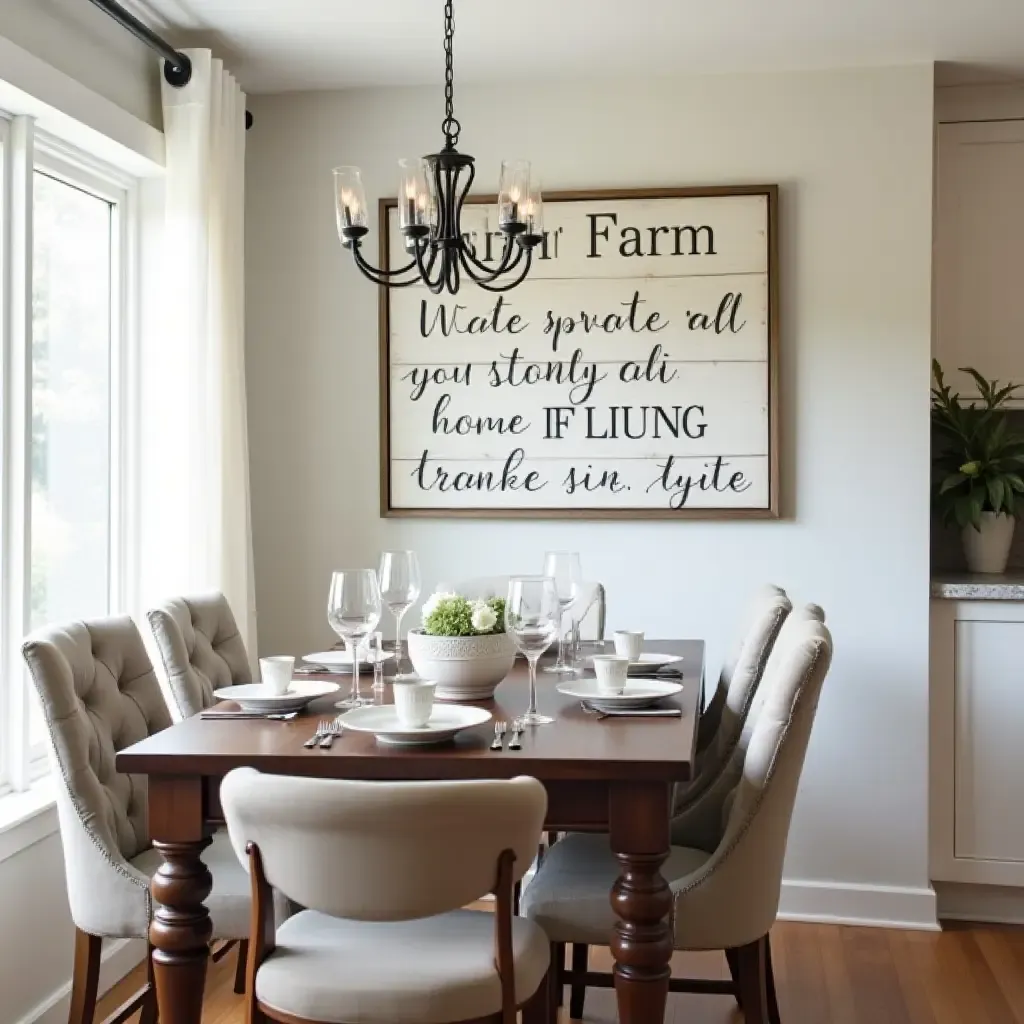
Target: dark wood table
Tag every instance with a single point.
(610, 775)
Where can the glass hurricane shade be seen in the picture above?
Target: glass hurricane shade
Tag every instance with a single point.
(513, 192)
(415, 206)
(349, 200)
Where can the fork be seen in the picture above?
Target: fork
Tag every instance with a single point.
(321, 729)
(500, 728)
(517, 731)
(335, 728)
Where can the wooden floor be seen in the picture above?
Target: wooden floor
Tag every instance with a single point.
(826, 975)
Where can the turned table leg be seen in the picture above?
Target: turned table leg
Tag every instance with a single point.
(181, 929)
(642, 942)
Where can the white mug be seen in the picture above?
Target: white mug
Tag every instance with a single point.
(414, 701)
(276, 673)
(629, 643)
(611, 672)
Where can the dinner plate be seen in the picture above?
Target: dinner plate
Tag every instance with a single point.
(445, 722)
(253, 697)
(639, 693)
(339, 659)
(651, 662)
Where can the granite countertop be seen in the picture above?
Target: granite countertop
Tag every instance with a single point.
(966, 586)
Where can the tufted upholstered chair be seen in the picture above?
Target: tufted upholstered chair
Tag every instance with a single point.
(201, 649)
(384, 939)
(99, 694)
(726, 889)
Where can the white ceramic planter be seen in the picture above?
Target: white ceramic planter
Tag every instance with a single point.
(988, 549)
(464, 667)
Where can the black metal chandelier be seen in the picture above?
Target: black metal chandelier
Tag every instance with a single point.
(431, 194)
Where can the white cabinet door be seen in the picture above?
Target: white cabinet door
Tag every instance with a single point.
(979, 249)
(977, 741)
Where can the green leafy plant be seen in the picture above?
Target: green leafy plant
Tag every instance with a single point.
(978, 459)
(454, 615)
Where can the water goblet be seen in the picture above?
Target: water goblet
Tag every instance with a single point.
(564, 568)
(353, 611)
(532, 616)
(399, 577)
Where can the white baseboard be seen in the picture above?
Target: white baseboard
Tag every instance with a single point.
(878, 906)
(988, 904)
(118, 958)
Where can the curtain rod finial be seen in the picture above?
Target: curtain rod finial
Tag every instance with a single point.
(178, 75)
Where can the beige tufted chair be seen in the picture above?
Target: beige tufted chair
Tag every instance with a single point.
(201, 649)
(726, 890)
(99, 695)
(385, 939)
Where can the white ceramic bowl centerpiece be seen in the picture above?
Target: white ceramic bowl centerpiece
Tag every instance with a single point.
(462, 646)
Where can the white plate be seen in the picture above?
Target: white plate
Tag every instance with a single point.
(639, 693)
(254, 697)
(340, 659)
(446, 720)
(650, 662)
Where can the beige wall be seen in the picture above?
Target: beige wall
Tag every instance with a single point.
(852, 152)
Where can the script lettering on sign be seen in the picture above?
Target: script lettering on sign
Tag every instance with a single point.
(630, 375)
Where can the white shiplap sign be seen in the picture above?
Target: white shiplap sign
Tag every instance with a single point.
(632, 374)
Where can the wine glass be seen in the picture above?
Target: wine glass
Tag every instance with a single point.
(353, 610)
(399, 578)
(564, 568)
(532, 616)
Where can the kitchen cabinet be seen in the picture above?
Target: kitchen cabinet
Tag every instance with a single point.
(977, 742)
(979, 249)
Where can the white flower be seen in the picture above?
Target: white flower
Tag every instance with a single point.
(431, 603)
(483, 617)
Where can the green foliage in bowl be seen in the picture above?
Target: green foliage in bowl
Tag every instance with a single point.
(978, 460)
(454, 615)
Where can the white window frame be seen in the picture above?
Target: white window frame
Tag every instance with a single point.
(25, 151)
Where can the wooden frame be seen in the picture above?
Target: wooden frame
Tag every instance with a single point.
(770, 511)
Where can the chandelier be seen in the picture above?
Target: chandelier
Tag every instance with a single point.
(431, 195)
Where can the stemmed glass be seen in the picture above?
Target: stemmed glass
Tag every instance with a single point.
(532, 616)
(353, 610)
(564, 568)
(399, 578)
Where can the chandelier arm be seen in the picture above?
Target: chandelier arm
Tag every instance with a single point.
(505, 264)
(425, 270)
(388, 278)
(488, 287)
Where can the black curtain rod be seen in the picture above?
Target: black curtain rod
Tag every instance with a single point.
(177, 67)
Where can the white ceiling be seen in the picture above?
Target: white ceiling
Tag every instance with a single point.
(278, 45)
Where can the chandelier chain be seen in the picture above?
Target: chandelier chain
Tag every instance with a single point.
(450, 125)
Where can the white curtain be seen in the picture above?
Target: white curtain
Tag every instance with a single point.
(195, 516)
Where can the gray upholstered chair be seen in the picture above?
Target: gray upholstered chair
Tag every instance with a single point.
(384, 870)
(726, 881)
(201, 649)
(99, 694)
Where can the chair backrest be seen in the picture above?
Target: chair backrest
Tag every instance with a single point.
(99, 694)
(201, 649)
(735, 896)
(382, 851)
(741, 673)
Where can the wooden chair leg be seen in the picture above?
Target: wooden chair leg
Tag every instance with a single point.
(774, 1017)
(734, 972)
(578, 989)
(517, 893)
(537, 1009)
(752, 971)
(85, 981)
(149, 1007)
(243, 956)
(556, 978)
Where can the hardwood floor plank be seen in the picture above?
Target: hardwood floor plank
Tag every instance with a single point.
(842, 1006)
(877, 993)
(912, 985)
(803, 997)
(998, 948)
(985, 984)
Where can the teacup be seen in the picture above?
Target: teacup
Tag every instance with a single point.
(414, 700)
(276, 673)
(610, 671)
(629, 643)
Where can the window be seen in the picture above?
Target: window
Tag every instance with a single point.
(63, 225)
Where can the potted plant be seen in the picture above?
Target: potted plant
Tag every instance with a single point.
(462, 646)
(978, 468)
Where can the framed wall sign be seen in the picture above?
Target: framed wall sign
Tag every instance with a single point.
(633, 374)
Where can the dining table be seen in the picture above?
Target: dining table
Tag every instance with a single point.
(614, 775)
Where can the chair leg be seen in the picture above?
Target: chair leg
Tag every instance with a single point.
(556, 978)
(578, 989)
(243, 956)
(85, 981)
(517, 894)
(537, 1009)
(774, 1017)
(734, 973)
(149, 1008)
(752, 968)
